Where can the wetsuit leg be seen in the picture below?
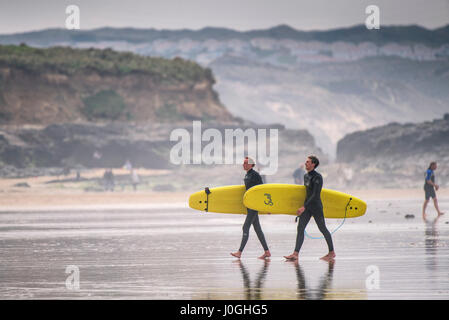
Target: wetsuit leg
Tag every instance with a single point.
(302, 224)
(319, 219)
(259, 232)
(252, 218)
(248, 222)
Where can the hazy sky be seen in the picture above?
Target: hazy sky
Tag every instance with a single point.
(26, 15)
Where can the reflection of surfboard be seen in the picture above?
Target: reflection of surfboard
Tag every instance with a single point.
(287, 198)
(228, 199)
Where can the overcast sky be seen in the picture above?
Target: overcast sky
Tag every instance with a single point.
(26, 15)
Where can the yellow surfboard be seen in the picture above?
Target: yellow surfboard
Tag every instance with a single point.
(228, 199)
(285, 199)
(288, 198)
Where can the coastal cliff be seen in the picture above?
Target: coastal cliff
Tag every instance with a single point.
(55, 85)
(396, 155)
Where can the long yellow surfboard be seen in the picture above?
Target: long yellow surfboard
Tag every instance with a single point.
(288, 198)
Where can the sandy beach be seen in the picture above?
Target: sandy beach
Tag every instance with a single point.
(150, 245)
(17, 200)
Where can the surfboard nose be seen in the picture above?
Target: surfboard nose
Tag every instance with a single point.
(356, 208)
(197, 201)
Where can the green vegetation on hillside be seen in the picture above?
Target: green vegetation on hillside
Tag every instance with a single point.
(69, 61)
(106, 104)
(168, 112)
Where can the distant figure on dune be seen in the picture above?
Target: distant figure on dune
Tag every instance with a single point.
(128, 166)
(429, 189)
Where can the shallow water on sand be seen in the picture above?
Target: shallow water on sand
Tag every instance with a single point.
(183, 254)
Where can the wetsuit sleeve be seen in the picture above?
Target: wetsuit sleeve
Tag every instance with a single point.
(257, 179)
(317, 185)
(253, 180)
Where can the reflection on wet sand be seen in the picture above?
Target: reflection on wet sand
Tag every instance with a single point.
(256, 290)
(431, 242)
(163, 253)
(325, 283)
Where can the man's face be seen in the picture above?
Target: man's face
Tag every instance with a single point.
(246, 165)
(309, 165)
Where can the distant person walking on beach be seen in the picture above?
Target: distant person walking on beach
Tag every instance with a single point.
(312, 207)
(134, 179)
(108, 178)
(252, 178)
(429, 189)
(298, 175)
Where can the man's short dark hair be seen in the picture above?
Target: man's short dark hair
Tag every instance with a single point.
(314, 160)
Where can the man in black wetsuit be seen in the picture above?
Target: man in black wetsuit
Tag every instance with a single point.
(312, 207)
(252, 178)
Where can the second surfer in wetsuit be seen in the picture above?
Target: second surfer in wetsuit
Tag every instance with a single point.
(312, 207)
(252, 178)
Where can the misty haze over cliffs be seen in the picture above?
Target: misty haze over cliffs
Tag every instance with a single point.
(329, 82)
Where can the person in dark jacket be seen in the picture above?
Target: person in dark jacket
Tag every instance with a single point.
(252, 178)
(298, 175)
(313, 207)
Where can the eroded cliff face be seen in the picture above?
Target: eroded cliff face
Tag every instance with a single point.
(396, 155)
(28, 97)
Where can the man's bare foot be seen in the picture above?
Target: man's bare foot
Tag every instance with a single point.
(440, 213)
(237, 254)
(292, 257)
(266, 254)
(328, 257)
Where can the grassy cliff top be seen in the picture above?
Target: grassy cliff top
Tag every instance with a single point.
(68, 61)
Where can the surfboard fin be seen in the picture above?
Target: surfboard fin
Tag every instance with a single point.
(207, 198)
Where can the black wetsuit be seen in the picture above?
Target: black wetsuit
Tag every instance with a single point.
(252, 178)
(314, 207)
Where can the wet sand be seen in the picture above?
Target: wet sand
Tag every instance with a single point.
(161, 249)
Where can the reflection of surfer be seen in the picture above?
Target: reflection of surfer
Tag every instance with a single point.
(431, 241)
(259, 281)
(326, 280)
(325, 283)
(429, 189)
(252, 178)
(312, 207)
